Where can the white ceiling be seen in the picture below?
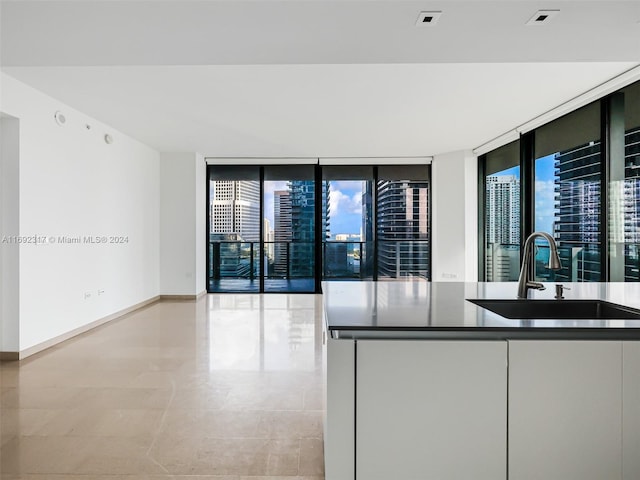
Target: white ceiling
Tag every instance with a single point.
(315, 78)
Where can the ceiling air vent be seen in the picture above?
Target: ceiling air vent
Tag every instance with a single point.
(542, 17)
(428, 18)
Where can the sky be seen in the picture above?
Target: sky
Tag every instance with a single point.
(346, 206)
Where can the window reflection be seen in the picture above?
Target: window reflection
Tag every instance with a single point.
(258, 333)
(568, 171)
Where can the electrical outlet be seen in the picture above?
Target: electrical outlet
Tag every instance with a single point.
(87, 295)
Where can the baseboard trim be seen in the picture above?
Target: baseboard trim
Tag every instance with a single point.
(9, 356)
(183, 298)
(13, 356)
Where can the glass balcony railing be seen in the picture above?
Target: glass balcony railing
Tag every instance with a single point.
(347, 260)
(240, 260)
(289, 260)
(580, 263)
(234, 259)
(236, 264)
(403, 259)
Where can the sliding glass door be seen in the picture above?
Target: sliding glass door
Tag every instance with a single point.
(402, 222)
(502, 214)
(285, 228)
(568, 175)
(289, 228)
(348, 246)
(234, 229)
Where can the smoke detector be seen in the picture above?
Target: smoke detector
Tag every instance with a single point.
(60, 118)
(542, 17)
(427, 19)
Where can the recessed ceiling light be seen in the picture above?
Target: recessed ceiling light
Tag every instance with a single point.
(426, 19)
(108, 139)
(542, 17)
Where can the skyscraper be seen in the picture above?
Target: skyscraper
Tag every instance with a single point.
(630, 207)
(403, 228)
(503, 201)
(577, 212)
(294, 228)
(502, 228)
(268, 238)
(302, 255)
(235, 208)
(234, 220)
(281, 231)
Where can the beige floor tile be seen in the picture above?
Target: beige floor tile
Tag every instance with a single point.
(313, 398)
(165, 393)
(311, 456)
(278, 477)
(301, 424)
(258, 397)
(246, 457)
(211, 424)
(132, 477)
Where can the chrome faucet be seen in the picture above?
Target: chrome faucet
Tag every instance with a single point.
(525, 281)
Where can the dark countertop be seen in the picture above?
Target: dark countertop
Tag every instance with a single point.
(439, 310)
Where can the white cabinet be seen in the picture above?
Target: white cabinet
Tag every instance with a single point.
(631, 410)
(431, 410)
(339, 434)
(565, 410)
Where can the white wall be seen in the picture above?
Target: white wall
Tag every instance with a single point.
(182, 224)
(9, 227)
(201, 223)
(455, 219)
(72, 183)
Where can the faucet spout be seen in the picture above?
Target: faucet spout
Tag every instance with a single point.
(526, 280)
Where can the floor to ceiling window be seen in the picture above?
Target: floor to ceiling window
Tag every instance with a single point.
(285, 228)
(502, 213)
(624, 236)
(402, 222)
(347, 248)
(234, 229)
(289, 228)
(580, 182)
(567, 200)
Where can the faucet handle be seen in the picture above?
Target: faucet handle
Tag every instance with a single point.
(560, 290)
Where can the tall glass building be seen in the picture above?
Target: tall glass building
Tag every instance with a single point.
(577, 212)
(282, 232)
(403, 218)
(235, 209)
(631, 205)
(502, 227)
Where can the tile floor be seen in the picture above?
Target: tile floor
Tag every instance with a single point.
(226, 388)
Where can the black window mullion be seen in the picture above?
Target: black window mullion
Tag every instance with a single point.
(482, 218)
(261, 271)
(527, 182)
(318, 230)
(208, 245)
(527, 192)
(374, 227)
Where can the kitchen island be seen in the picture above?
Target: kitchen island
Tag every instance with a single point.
(423, 384)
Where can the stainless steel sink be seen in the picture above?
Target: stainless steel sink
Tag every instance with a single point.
(558, 309)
